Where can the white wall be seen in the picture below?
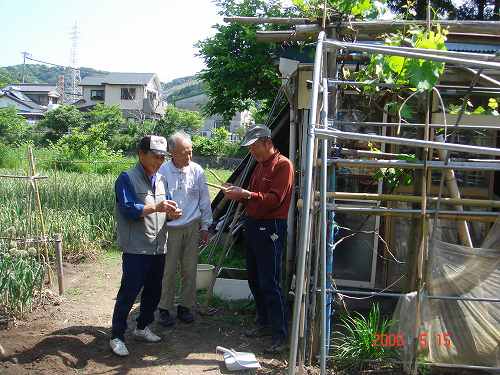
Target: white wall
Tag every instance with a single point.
(86, 94)
(113, 97)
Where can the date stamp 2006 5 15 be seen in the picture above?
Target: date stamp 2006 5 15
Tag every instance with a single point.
(398, 339)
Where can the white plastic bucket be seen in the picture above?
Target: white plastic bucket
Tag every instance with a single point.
(204, 274)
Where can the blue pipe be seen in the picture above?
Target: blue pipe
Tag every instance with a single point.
(332, 232)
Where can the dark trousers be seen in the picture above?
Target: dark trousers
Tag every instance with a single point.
(138, 271)
(265, 241)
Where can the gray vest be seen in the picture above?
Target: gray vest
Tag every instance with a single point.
(146, 235)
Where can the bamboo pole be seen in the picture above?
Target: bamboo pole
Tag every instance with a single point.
(34, 184)
(35, 177)
(480, 216)
(451, 184)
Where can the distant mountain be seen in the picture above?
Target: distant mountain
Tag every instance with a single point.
(178, 88)
(181, 88)
(39, 73)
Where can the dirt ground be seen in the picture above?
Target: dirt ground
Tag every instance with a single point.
(71, 335)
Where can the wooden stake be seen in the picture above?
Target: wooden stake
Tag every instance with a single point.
(59, 262)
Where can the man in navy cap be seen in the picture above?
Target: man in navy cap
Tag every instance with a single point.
(267, 201)
(142, 208)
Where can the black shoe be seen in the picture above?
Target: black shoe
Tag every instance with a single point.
(184, 314)
(259, 331)
(165, 319)
(278, 346)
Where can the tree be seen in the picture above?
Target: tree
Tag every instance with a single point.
(59, 121)
(417, 9)
(110, 116)
(13, 127)
(239, 70)
(242, 73)
(6, 78)
(178, 119)
(479, 10)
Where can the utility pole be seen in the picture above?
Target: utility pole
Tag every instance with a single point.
(25, 54)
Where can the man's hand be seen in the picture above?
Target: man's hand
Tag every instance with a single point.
(203, 237)
(235, 192)
(170, 208)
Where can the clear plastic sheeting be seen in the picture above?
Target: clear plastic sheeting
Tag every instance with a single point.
(454, 331)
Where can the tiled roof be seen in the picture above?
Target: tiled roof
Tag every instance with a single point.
(33, 87)
(118, 79)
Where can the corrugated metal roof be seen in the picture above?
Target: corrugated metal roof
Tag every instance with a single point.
(473, 47)
(118, 79)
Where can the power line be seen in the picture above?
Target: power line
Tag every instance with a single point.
(44, 62)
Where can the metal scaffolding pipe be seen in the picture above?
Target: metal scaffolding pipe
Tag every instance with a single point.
(425, 54)
(483, 76)
(323, 218)
(398, 295)
(263, 20)
(384, 163)
(305, 218)
(333, 133)
(463, 55)
(489, 89)
(413, 125)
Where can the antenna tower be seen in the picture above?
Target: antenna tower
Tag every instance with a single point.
(75, 90)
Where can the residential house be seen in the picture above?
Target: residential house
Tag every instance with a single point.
(42, 94)
(137, 94)
(26, 106)
(196, 102)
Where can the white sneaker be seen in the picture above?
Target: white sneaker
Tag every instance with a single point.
(118, 347)
(146, 335)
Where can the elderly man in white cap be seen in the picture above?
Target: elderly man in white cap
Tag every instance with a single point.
(142, 209)
(187, 186)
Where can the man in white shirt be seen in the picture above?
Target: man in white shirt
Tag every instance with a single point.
(186, 184)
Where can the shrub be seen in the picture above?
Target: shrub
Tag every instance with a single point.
(178, 119)
(60, 121)
(9, 157)
(218, 145)
(13, 128)
(86, 151)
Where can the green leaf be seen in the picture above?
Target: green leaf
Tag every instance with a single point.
(492, 103)
(396, 63)
(479, 110)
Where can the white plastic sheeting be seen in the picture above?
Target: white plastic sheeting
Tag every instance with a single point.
(454, 331)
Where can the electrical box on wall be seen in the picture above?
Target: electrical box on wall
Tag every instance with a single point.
(304, 94)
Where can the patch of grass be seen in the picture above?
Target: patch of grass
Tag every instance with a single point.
(354, 344)
(234, 259)
(73, 292)
(223, 174)
(234, 312)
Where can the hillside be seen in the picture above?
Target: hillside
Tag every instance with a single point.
(176, 89)
(39, 73)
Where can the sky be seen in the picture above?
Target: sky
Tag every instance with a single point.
(154, 36)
